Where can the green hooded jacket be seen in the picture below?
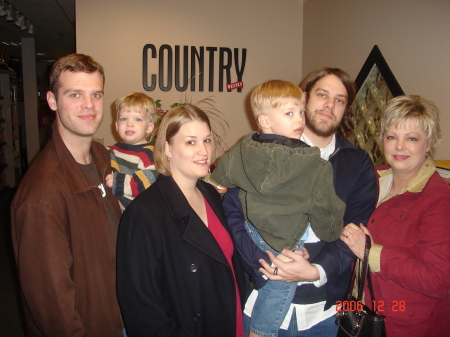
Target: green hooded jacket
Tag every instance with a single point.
(285, 188)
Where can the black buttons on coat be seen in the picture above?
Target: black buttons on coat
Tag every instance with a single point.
(185, 219)
(197, 317)
(193, 268)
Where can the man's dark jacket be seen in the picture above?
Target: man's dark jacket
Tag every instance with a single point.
(355, 183)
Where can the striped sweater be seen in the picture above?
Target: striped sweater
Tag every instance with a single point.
(133, 169)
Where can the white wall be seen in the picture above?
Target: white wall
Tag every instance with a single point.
(114, 32)
(284, 39)
(413, 35)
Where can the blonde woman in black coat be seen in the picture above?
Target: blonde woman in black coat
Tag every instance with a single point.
(177, 271)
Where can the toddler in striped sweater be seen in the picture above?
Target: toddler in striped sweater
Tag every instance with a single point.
(133, 169)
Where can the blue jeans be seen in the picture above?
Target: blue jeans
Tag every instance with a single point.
(274, 299)
(326, 328)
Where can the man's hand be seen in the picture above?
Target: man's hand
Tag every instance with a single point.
(298, 269)
(109, 180)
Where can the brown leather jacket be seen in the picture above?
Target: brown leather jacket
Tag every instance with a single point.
(63, 246)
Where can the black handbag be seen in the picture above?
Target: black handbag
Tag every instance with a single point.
(356, 319)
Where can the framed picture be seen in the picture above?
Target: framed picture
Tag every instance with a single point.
(375, 85)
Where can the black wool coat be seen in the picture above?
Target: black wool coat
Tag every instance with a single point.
(172, 277)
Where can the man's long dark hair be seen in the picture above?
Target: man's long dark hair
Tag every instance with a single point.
(346, 126)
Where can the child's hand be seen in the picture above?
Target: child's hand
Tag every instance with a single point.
(109, 180)
(283, 258)
(303, 252)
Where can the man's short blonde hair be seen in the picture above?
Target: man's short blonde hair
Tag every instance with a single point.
(75, 63)
(272, 94)
(405, 109)
(139, 102)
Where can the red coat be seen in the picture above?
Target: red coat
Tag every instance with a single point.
(414, 281)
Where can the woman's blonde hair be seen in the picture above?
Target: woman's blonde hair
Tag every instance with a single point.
(169, 127)
(413, 108)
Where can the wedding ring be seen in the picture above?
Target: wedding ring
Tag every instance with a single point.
(275, 271)
(347, 234)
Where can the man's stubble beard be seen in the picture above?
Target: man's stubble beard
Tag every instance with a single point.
(315, 126)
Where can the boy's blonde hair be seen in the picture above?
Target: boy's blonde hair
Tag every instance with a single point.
(272, 94)
(137, 101)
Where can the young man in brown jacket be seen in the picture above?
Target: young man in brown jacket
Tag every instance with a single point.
(65, 220)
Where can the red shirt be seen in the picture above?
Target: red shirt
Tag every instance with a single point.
(226, 244)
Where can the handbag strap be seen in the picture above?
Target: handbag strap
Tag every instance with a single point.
(369, 285)
(364, 269)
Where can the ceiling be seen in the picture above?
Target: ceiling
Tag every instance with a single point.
(54, 28)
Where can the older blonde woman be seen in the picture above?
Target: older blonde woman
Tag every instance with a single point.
(410, 228)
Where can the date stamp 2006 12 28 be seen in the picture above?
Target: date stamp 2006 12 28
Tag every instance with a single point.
(378, 306)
